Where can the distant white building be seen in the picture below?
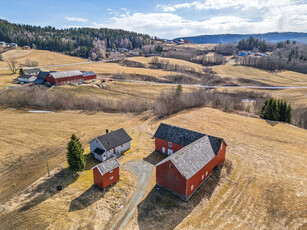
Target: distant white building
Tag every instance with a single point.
(110, 144)
(2, 43)
(13, 45)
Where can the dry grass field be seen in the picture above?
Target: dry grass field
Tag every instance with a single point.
(266, 188)
(7, 78)
(43, 57)
(283, 78)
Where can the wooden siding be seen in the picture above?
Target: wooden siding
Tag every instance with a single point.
(171, 179)
(91, 77)
(196, 180)
(159, 143)
(65, 80)
(103, 181)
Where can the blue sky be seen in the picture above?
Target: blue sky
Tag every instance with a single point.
(165, 19)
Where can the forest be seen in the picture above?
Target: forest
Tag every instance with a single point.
(82, 42)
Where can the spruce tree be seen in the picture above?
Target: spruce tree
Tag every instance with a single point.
(75, 157)
(21, 72)
(289, 114)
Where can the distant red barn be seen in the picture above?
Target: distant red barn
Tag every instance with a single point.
(89, 75)
(183, 172)
(65, 77)
(106, 173)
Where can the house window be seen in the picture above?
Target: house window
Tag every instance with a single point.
(111, 178)
(202, 177)
(207, 173)
(170, 144)
(192, 187)
(170, 166)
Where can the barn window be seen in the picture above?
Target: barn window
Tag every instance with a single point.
(170, 166)
(207, 173)
(170, 144)
(202, 177)
(192, 187)
(111, 178)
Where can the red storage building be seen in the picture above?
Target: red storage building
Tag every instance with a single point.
(65, 77)
(106, 173)
(89, 75)
(183, 172)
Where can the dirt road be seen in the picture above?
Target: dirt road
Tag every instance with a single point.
(143, 171)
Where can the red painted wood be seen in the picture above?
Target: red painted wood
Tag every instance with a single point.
(103, 181)
(159, 143)
(170, 178)
(65, 80)
(91, 77)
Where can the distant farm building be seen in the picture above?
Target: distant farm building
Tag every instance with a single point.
(106, 173)
(26, 79)
(111, 144)
(192, 157)
(170, 42)
(33, 72)
(13, 45)
(89, 75)
(65, 77)
(2, 43)
(41, 77)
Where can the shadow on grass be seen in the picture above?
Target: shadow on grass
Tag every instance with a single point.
(49, 187)
(90, 161)
(271, 123)
(155, 157)
(89, 197)
(163, 210)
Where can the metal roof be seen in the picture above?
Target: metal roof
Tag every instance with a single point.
(192, 158)
(88, 73)
(64, 74)
(114, 139)
(42, 74)
(39, 81)
(107, 165)
(26, 77)
(177, 135)
(32, 71)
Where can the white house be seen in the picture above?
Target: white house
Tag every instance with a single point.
(111, 144)
(26, 79)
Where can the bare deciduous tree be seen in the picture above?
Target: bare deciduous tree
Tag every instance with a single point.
(13, 65)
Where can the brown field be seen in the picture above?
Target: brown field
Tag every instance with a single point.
(283, 78)
(266, 189)
(7, 78)
(43, 57)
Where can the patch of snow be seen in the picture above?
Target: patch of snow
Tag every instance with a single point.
(39, 111)
(248, 100)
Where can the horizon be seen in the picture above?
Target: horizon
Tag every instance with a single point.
(164, 19)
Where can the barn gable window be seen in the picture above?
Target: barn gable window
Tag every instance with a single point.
(203, 177)
(111, 178)
(207, 173)
(192, 187)
(170, 166)
(170, 144)
(222, 146)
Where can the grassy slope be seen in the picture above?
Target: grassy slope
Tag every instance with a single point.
(268, 188)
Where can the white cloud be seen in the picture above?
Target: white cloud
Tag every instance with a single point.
(76, 19)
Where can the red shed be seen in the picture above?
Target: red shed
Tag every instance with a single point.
(106, 173)
(89, 75)
(65, 77)
(185, 171)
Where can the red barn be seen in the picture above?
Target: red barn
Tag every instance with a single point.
(89, 75)
(65, 77)
(185, 171)
(106, 173)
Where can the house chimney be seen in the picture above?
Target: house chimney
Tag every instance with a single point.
(107, 131)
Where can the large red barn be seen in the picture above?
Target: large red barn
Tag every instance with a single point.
(106, 173)
(65, 77)
(183, 172)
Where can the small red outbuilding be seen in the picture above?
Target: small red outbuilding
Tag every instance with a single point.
(106, 173)
(184, 171)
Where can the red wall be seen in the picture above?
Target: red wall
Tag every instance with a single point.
(196, 180)
(89, 77)
(62, 81)
(104, 181)
(170, 178)
(162, 143)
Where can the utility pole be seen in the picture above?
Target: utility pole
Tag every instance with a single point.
(47, 164)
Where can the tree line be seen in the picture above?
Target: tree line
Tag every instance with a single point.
(72, 41)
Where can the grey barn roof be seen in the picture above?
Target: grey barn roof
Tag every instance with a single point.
(114, 139)
(192, 158)
(177, 135)
(107, 165)
(99, 151)
(88, 73)
(64, 74)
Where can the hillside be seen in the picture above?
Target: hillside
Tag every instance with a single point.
(266, 187)
(234, 38)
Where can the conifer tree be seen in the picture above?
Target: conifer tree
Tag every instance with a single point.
(21, 72)
(289, 114)
(75, 157)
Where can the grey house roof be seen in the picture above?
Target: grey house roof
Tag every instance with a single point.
(114, 139)
(64, 74)
(99, 151)
(192, 158)
(107, 165)
(32, 71)
(177, 135)
(88, 73)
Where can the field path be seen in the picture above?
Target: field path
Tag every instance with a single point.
(143, 171)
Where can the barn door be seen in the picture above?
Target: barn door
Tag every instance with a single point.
(163, 149)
